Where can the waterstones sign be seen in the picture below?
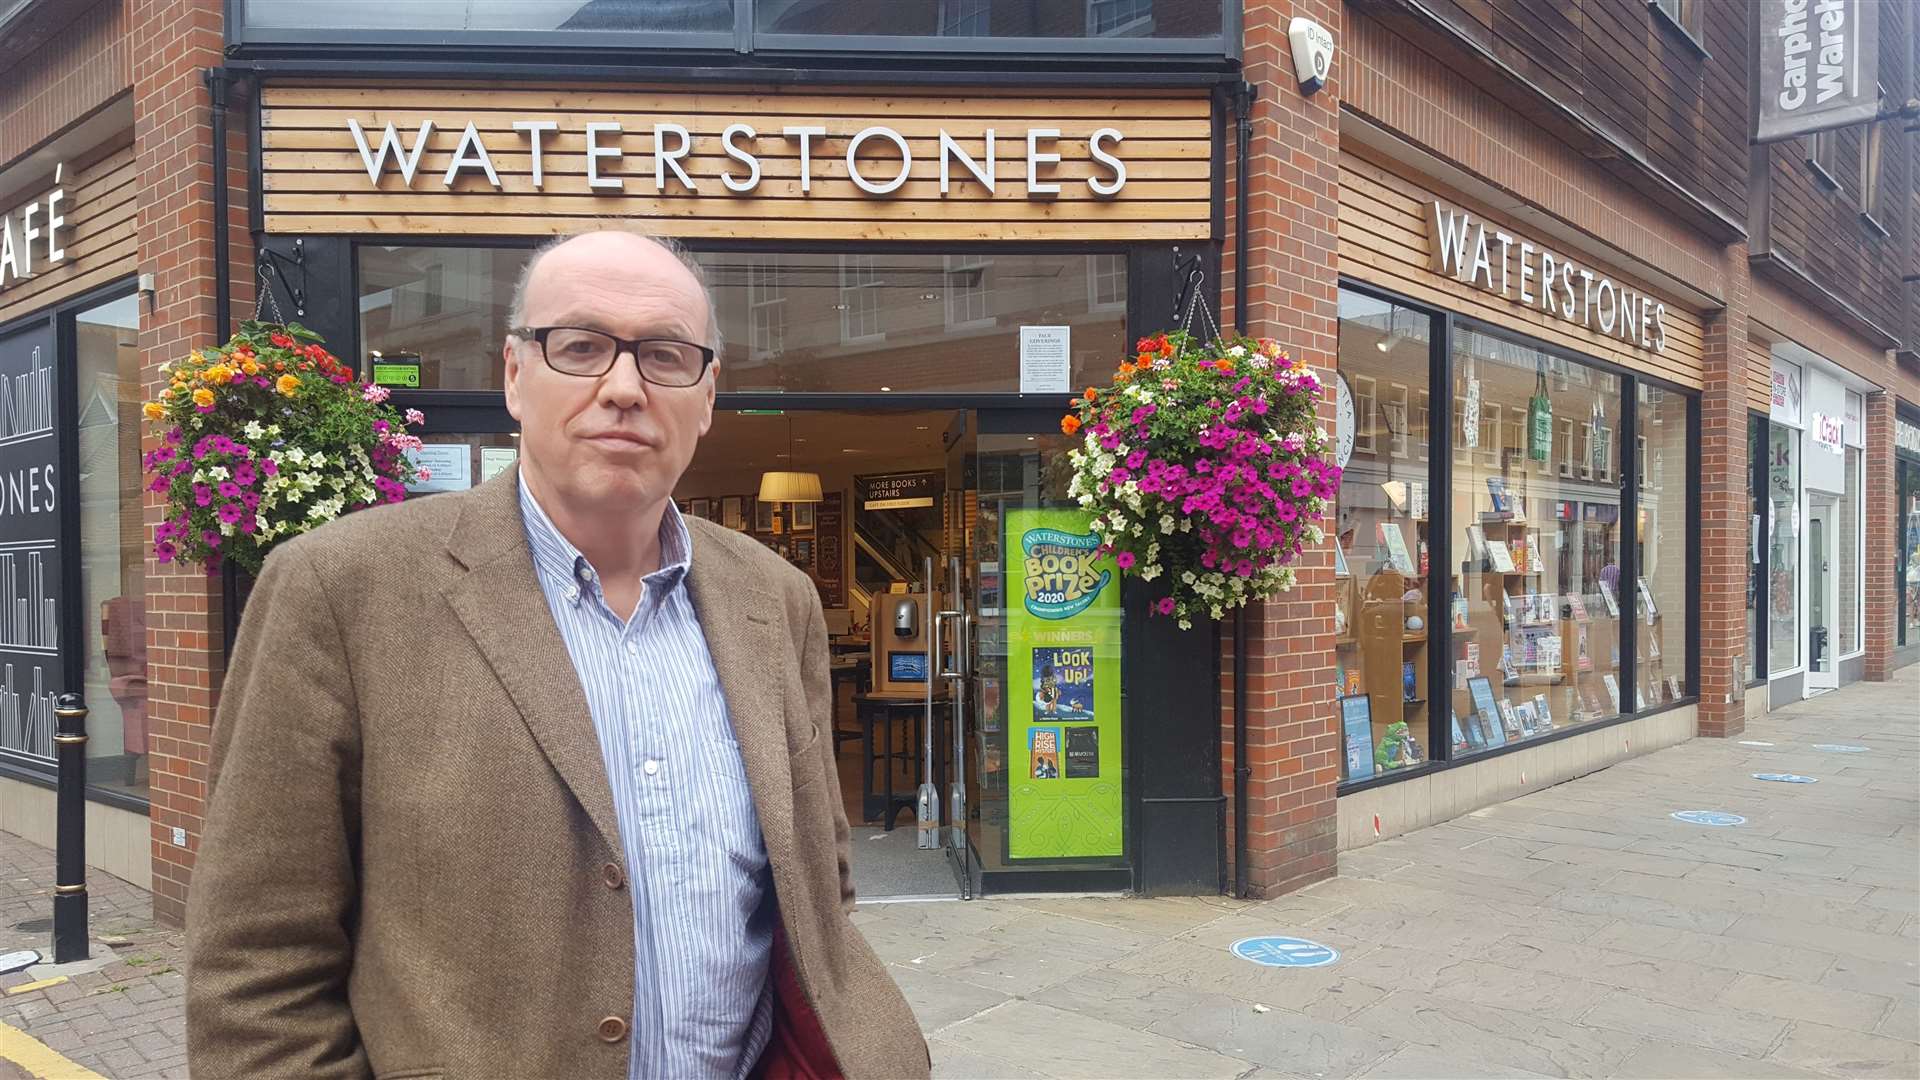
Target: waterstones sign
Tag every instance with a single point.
(1479, 254)
(1818, 66)
(30, 235)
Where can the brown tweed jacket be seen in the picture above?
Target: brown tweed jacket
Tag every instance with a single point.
(411, 867)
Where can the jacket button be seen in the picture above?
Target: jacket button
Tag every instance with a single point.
(613, 1029)
(611, 874)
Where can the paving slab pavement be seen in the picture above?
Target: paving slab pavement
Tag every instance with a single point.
(1576, 931)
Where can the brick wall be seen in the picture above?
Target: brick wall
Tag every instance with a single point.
(1724, 510)
(1293, 735)
(1882, 607)
(174, 41)
(78, 68)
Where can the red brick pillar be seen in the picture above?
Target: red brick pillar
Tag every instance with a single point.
(1725, 509)
(1882, 608)
(174, 42)
(1293, 192)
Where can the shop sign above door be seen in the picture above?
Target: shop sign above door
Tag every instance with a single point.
(768, 164)
(1483, 255)
(1818, 66)
(35, 227)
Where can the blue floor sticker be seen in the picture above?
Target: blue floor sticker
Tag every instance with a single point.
(1284, 952)
(1839, 748)
(1708, 817)
(1785, 778)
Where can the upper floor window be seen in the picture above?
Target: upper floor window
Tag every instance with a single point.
(1204, 30)
(1684, 15)
(1823, 157)
(1870, 142)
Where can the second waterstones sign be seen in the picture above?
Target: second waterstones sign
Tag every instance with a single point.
(1483, 255)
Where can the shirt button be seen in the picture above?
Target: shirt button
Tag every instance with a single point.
(611, 874)
(633, 648)
(613, 1029)
(573, 595)
(651, 767)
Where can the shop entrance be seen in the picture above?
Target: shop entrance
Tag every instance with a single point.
(975, 656)
(1822, 604)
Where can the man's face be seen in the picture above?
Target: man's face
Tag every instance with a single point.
(616, 440)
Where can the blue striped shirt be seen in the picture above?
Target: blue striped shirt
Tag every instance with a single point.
(696, 864)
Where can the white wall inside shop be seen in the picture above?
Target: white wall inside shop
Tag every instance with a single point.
(119, 841)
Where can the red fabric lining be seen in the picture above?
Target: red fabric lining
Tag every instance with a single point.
(798, 1048)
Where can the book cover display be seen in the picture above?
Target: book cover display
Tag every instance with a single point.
(1064, 795)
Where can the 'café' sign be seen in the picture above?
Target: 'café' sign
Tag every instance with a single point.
(1485, 257)
(879, 159)
(30, 228)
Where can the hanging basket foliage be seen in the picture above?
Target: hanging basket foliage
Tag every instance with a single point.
(264, 438)
(1205, 466)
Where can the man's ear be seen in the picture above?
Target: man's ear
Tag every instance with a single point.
(713, 383)
(512, 371)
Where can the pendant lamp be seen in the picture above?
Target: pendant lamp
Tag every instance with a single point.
(789, 487)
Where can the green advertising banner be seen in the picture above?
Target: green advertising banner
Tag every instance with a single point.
(1063, 632)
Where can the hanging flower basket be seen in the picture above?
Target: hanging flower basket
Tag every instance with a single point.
(264, 438)
(1205, 465)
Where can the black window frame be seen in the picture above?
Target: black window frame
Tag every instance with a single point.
(1440, 478)
(740, 47)
(73, 625)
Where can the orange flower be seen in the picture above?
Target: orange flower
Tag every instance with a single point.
(1225, 366)
(287, 384)
(1166, 348)
(1069, 424)
(1145, 359)
(203, 397)
(219, 374)
(1091, 393)
(1123, 376)
(249, 366)
(154, 410)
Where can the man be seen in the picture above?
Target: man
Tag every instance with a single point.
(537, 780)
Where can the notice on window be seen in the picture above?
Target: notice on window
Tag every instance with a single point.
(1046, 359)
(495, 460)
(448, 467)
(1063, 632)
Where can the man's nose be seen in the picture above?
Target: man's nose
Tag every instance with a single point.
(622, 387)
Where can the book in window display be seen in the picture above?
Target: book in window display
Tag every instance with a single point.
(1534, 564)
(1460, 744)
(1396, 544)
(1646, 602)
(1356, 720)
(1543, 712)
(1499, 557)
(1613, 690)
(1510, 721)
(1612, 602)
(1523, 714)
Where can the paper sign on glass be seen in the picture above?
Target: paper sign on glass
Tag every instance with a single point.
(1046, 355)
(450, 466)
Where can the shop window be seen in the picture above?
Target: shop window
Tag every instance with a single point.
(1756, 514)
(1386, 551)
(1661, 609)
(1783, 550)
(1907, 569)
(1848, 559)
(975, 18)
(113, 547)
(824, 323)
(1119, 18)
(1533, 572)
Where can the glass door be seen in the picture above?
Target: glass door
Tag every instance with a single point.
(1038, 750)
(1822, 673)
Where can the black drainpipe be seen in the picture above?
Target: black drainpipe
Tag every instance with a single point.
(1242, 772)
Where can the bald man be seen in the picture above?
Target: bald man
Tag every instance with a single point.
(537, 780)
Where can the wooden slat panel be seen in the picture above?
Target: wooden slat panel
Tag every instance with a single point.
(1384, 239)
(99, 239)
(953, 227)
(1759, 375)
(315, 178)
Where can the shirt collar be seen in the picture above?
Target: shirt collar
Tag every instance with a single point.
(563, 566)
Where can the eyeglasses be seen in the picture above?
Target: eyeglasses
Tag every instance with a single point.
(589, 354)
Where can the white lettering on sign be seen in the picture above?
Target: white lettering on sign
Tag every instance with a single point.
(40, 222)
(1797, 44)
(674, 147)
(1829, 432)
(1906, 436)
(1468, 251)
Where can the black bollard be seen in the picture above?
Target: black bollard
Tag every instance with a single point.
(70, 831)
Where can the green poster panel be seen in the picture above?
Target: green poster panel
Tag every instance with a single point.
(1063, 634)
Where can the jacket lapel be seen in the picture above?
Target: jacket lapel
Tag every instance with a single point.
(746, 636)
(500, 603)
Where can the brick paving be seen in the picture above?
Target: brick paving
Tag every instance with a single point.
(1578, 931)
(127, 1019)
